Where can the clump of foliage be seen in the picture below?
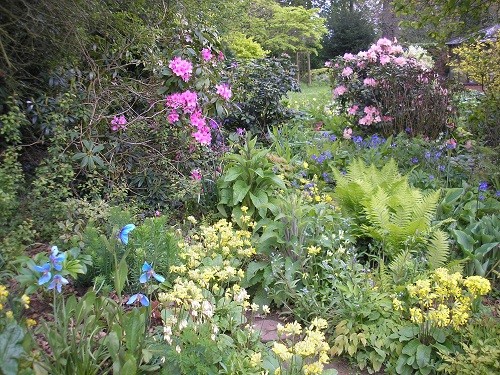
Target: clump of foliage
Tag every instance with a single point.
(384, 90)
(244, 47)
(261, 84)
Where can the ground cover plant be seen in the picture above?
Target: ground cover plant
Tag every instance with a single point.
(159, 200)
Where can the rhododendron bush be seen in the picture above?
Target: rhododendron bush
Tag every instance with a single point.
(389, 90)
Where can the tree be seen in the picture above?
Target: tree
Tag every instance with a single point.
(285, 29)
(348, 32)
(449, 16)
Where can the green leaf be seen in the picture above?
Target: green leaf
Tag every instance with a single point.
(121, 276)
(411, 347)
(232, 174)
(240, 190)
(464, 240)
(423, 355)
(10, 348)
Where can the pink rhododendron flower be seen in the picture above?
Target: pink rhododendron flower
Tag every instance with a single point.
(347, 71)
(348, 56)
(400, 61)
(371, 110)
(362, 54)
(221, 56)
(371, 55)
(340, 90)
(224, 90)
(206, 54)
(370, 82)
(196, 175)
(396, 49)
(173, 117)
(360, 64)
(384, 42)
(157, 213)
(366, 120)
(181, 68)
(352, 110)
(384, 59)
(347, 133)
(119, 123)
(203, 135)
(197, 120)
(190, 101)
(387, 118)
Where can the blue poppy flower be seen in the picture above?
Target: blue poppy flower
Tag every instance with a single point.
(46, 275)
(138, 297)
(57, 282)
(123, 234)
(149, 272)
(56, 258)
(483, 186)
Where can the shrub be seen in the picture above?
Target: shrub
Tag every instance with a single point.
(382, 89)
(260, 86)
(245, 47)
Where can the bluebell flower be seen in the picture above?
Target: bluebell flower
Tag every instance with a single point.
(138, 297)
(57, 282)
(427, 155)
(431, 177)
(497, 193)
(149, 272)
(481, 197)
(438, 154)
(357, 139)
(483, 186)
(442, 168)
(326, 177)
(314, 157)
(414, 160)
(332, 138)
(56, 258)
(46, 275)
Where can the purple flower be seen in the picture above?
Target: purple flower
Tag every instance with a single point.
(333, 138)
(427, 155)
(483, 186)
(55, 259)
(497, 193)
(240, 132)
(57, 282)
(441, 168)
(414, 160)
(431, 177)
(357, 139)
(138, 297)
(149, 272)
(46, 275)
(481, 197)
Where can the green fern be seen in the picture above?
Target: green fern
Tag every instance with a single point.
(438, 250)
(385, 207)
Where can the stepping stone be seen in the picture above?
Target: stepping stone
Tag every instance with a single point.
(267, 329)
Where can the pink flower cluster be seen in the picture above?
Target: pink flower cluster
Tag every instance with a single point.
(340, 90)
(206, 54)
(181, 68)
(372, 115)
(119, 123)
(224, 90)
(187, 103)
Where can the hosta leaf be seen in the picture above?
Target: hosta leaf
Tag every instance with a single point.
(11, 348)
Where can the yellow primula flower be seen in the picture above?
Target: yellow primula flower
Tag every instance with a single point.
(313, 250)
(26, 301)
(30, 322)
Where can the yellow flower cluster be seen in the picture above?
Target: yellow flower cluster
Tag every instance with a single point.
(3, 295)
(311, 191)
(313, 348)
(313, 250)
(444, 299)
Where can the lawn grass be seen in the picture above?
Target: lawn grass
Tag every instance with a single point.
(318, 92)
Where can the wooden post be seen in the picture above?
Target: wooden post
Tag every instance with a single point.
(298, 67)
(309, 78)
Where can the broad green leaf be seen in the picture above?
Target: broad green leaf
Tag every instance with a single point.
(423, 355)
(10, 348)
(232, 174)
(121, 276)
(464, 240)
(240, 190)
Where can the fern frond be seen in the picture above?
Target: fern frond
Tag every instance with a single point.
(399, 265)
(438, 250)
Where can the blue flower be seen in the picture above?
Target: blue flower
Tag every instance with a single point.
(414, 160)
(483, 186)
(46, 275)
(438, 154)
(427, 155)
(431, 177)
(332, 138)
(481, 197)
(441, 168)
(497, 193)
(57, 282)
(123, 234)
(149, 272)
(55, 259)
(357, 139)
(138, 297)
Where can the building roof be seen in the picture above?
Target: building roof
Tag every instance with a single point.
(486, 34)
